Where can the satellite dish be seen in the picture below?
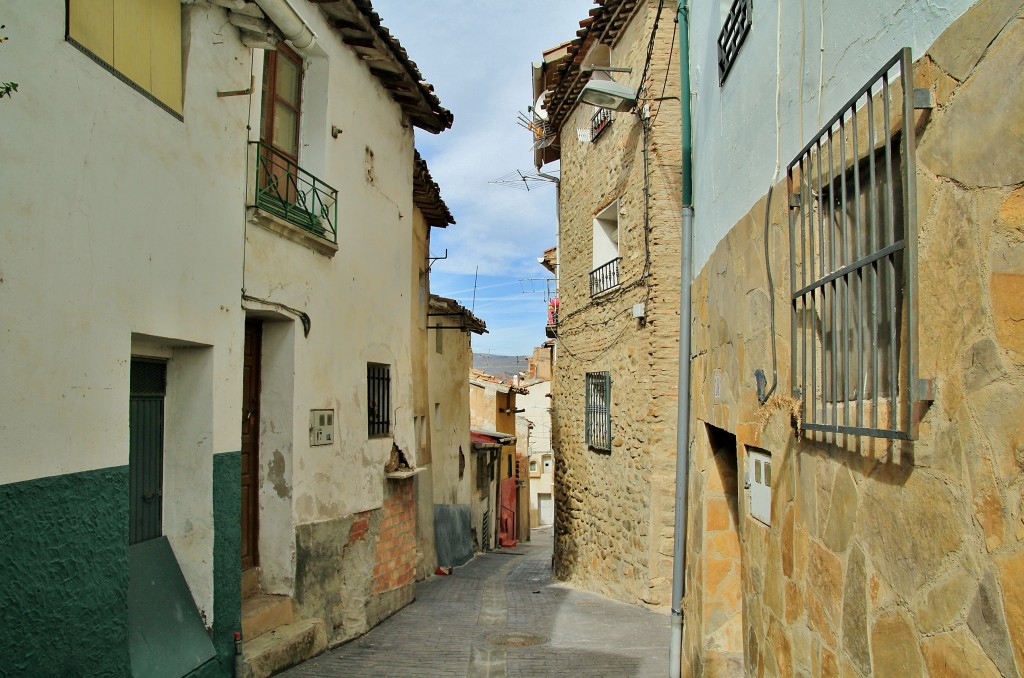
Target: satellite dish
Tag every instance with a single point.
(538, 106)
(542, 142)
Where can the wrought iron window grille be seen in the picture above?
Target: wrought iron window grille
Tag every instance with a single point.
(287, 191)
(378, 386)
(853, 265)
(605, 277)
(598, 424)
(734, 32)
(599, 122)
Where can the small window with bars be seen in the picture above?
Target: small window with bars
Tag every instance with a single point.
(378, 387)
(598, 422)
(736, 19)
(853, 237)
(484, 471)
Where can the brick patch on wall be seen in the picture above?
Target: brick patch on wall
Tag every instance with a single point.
(359, 528)
(395, 558)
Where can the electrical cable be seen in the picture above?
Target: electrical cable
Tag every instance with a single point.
(771, 301)
(650, 46)
(821, 59)
(763, 397)
(668, 69)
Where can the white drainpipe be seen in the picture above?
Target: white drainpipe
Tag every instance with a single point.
(291, 25)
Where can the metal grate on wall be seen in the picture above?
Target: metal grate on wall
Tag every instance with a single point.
(598, 421)
(853, 264)
(147, 377)
(378, 387)
(734, 32)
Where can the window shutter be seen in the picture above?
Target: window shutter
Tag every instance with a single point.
(91, 25)
(165, 31)
(132, 26)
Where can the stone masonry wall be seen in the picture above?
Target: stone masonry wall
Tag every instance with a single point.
(885, 559)
(614, 510)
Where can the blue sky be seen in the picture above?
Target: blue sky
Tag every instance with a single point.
(477, 54)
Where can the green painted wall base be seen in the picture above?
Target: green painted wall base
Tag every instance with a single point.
(227, 556)
(64, 575)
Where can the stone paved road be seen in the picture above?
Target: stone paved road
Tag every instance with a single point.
(502, 615)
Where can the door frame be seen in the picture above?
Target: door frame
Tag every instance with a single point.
(250, 428)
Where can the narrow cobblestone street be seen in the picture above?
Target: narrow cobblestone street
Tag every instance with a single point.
(502, 614)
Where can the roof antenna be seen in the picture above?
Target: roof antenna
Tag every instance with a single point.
(475, 276)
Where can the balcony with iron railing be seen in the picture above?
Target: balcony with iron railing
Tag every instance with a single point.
(599, 122)
(605, 277)
(290, 193)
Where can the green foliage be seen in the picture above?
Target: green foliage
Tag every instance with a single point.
(6, 88)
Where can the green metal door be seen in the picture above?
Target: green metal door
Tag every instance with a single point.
(146, 449)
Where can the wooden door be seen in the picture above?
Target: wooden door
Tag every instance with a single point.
(250, 443)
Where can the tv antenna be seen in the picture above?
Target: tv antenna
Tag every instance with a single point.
(523, 180)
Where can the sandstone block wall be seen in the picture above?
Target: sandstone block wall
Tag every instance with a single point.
(885, 559)
(614, 509)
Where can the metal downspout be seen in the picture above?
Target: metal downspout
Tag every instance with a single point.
(685, 315)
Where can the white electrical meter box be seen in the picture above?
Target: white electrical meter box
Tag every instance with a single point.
(321, 427)
(759, 475)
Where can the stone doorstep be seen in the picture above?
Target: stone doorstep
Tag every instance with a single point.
(262, 613)
(284, 647)
(250, 582)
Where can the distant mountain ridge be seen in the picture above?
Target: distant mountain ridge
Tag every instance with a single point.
(501, 366)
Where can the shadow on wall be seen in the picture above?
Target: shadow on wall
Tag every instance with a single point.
(886, 461)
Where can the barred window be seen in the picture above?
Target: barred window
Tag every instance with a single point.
(859, 323)
(378, 386)
(736, 20)
(598, 410)
(484, 470)
(853, 247)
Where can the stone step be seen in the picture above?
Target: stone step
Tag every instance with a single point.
(283, 647)
(250, 582)
(262, 613)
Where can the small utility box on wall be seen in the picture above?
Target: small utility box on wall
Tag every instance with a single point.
(759, 480)
(321, 427)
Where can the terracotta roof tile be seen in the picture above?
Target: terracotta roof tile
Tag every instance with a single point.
(427, 195)
(360, 27)
(603, 23)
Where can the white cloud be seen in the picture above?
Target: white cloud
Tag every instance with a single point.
(478, 56)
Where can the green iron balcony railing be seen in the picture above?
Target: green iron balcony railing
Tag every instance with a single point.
(286, 190)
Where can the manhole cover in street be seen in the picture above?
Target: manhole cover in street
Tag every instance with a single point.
(516, 639)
